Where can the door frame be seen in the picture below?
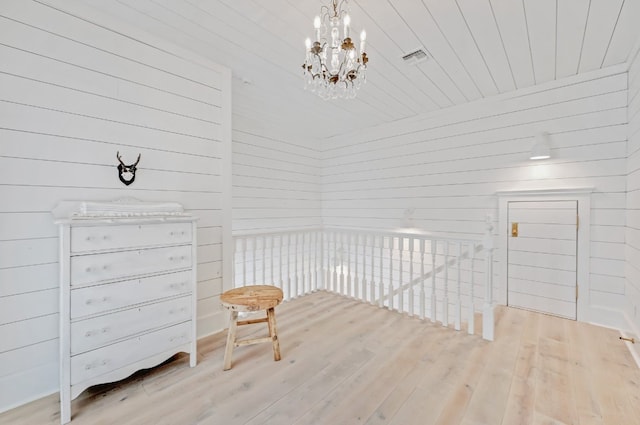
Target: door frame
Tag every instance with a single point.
(583, 197)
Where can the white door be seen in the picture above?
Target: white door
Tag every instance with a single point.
(542, 256)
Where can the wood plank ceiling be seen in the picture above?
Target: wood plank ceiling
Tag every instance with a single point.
(476, 49)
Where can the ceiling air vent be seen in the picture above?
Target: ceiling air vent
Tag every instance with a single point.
(415, 57)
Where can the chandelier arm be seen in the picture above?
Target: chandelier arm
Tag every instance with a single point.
(325, 16)
(341, 8)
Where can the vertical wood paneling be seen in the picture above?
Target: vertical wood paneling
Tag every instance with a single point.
(541, 26)
(78, 87)
(603, 19)
(571, 24)
(511, 21)
(444, 171)
(480, 18)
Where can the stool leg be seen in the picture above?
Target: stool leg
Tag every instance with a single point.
(231, 340)
(271, 318)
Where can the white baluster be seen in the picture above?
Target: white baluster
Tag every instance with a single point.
(445, 300)
(309, 265)
(280, 239)
(253, 258)
(349, 281)
(363, 290)
(295, 265)
(400, 282)
(434, 250)
(245, 241)
(458, 316)
(316, 254)
(422, 294)
(381, 284)
(335, 286)
(306, 268)
(471, 323)
(324, 267)
(300, 250)
(411, 285)
(391, 286)
(372, 292)
(235, 260)
(342, 277)
(264, 259)
(356, 280)
(271, 240)
(289, 266)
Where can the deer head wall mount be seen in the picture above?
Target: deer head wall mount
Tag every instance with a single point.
(127, 173)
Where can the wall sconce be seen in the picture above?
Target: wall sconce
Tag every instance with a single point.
(541, 149)
(407, 218)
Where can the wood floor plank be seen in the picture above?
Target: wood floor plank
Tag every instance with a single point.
(345, 362)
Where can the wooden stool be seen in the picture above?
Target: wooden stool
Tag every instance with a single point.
(251, 298)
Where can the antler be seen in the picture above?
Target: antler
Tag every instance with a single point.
(137, 160)
(119, 158)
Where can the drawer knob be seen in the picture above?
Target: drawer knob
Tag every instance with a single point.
(96, 364)
(96, 300)
(178, 285)
(181, 310)
(97, 331)
(177, 337)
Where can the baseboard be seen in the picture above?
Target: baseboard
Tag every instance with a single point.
(631, 331)
(212, 323)
(606, 317)
(28, 400)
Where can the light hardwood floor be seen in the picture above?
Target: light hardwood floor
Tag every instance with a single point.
(344, 362)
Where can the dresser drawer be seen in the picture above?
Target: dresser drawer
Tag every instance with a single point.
(116, 265)
(110, 296)
(106, 359)
(99, 331)
(124, 236)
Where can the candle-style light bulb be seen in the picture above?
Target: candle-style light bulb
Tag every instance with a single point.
(363, 37)
(316, 25)
(347, 22)
(307, 43)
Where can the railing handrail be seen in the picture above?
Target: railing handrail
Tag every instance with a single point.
(394, 233)
(361, 230)
(244, 234)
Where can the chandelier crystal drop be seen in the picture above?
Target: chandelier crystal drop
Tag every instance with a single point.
(334, 67)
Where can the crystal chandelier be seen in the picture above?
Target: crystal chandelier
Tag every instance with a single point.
(333, 68)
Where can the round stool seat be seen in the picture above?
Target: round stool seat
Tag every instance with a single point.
(251, 298)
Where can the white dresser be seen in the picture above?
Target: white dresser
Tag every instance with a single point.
(127, 291)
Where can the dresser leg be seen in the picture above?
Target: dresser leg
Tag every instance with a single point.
(65, 406)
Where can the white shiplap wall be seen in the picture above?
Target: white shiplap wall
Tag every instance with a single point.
(447, 167)
(632, 310)
(276, 178)
(77, 87)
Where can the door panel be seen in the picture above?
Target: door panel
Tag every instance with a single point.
(542, 259)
